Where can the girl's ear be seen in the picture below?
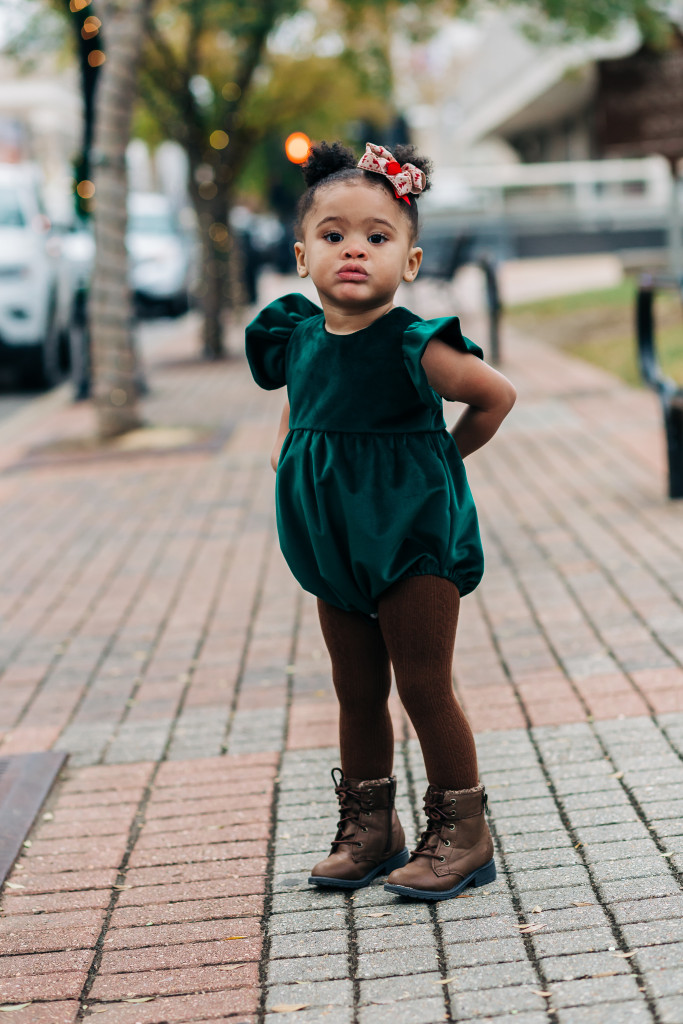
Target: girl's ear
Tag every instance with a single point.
(412, 264)
(300, 253)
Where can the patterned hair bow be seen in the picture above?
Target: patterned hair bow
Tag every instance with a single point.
(405, 179)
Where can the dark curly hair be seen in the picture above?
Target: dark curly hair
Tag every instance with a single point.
(329, 164)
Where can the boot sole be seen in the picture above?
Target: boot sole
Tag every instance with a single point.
(399, 860)
(482, 876)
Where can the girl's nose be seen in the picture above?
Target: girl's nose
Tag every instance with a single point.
(355, 252)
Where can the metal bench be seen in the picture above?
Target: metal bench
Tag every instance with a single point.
(670, 394)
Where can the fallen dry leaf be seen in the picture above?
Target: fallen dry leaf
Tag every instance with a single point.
(617, 775)
(540, 992)
(537, 910)
(625, 956)
(445, 981)
(605, 974)
(14, 1006)
(582, 903)
(119, 887)
(385, 913)
(231, 967)
(466, 895)
(529, 929)
(140, 999)
(15, 885)
(229, 938)
(99, 1009)
(288, 1007)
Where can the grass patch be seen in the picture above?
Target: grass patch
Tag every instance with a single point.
(598, 326)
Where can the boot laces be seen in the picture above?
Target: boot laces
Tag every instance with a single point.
(350, 808)
(437, 817)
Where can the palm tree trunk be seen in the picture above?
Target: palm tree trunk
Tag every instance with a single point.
(111, 309)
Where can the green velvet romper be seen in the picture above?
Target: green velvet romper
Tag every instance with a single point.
(370, 486)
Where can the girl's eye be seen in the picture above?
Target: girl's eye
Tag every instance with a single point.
(377, 238)
(333, 236)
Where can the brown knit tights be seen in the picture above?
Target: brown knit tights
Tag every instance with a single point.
(416, 632)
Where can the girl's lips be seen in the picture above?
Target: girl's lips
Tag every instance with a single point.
(352, 274)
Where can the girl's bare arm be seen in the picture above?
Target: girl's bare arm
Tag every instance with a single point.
(282, 432)
(463, 377)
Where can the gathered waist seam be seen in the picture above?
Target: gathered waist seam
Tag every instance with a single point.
(384, 433)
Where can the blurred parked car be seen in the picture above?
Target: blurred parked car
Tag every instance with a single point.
(161, 255)
(34, 325)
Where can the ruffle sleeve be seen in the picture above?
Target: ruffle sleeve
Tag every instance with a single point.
(417, 336)
(267, 335)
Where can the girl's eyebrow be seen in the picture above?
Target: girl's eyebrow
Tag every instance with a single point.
(343, 220)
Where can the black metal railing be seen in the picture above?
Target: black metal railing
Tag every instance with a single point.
(670, 394)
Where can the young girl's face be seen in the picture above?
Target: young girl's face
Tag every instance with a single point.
(357, 246)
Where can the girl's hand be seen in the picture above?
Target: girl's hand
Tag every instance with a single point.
(463, 377)
(282, 432)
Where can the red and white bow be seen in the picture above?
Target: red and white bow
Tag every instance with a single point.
(406, 178)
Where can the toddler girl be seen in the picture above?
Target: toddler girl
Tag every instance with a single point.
(374, 513)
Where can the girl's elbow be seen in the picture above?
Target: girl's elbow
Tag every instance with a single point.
(510, 396)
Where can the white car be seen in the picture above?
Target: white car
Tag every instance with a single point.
(160, 254)
(31, 333)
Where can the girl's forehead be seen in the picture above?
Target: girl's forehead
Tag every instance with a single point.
(355, 199)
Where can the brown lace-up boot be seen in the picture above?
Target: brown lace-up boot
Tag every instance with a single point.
(455, 850)
(369, 840)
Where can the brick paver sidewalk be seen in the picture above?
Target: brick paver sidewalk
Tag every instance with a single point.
(151, 629)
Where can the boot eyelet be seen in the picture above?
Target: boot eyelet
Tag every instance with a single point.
(452, 827)
(442, 858)
(364, 828)
(369, 814)
(359, 844)
(446, 842)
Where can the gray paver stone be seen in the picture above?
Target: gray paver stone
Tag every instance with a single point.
(495, 1001)
(557, 899)
(308, 944)
(614, 814)
(306, 921)
(582, 965)
(533, 1017)
(410, 986)
(590, 834)
(478, 905)
(530, 860)
(653, 933)
(489, 951)
(535, 841)
(414, 1011)
(587, 991)
(314, 1015)
(313, 899)
(670, 1009)
(397, 937)
(619, 1013)
(316, 993)
(642, 867)
(634, 911)
(626, 849)
(516, 972)
(552, 878)
(392, 914)
(659, 957)
(308, 968)
(532, 823)
(395, 963)
(588, 940)
(498, 927)
(666, 983)
(639, 888)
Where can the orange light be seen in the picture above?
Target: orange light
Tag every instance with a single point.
(85, 189)
(96, 58)
(297, 147)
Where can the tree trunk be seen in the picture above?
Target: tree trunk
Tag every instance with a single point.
(215, 291)
(111, 308)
